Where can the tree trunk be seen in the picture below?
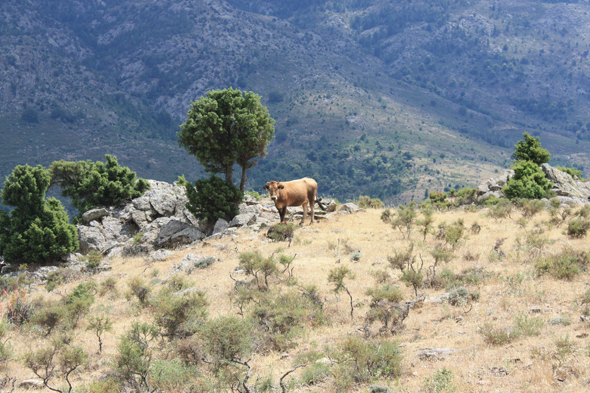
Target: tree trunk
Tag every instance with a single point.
(243, 181)
(229, 170)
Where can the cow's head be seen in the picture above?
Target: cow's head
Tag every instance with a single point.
(273, 188)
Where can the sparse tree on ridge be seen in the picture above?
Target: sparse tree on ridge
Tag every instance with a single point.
(227, 127)
(530, 150)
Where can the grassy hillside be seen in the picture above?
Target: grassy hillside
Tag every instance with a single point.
(521, 319)
(453, 80)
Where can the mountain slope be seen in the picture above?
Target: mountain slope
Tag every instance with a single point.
(370, 97)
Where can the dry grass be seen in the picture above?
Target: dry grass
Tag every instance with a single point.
(508, 287)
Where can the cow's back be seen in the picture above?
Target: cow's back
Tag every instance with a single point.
(300, 191)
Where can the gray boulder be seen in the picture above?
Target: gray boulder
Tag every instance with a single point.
(220, 226)
(94, 214)
(243, 219)
(488, 195)
(350, 208)
(90, 239)
(565, 185)
(176, 232)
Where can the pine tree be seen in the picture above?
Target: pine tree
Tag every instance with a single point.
(37, 229)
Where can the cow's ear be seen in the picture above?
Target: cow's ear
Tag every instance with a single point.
(281, 187)
(265, 187)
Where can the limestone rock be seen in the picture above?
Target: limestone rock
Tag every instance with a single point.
(350, 208)
(488, 195)
(243, 219)
(565, 185)
(90, 239)
(94, 214)
(220, 226)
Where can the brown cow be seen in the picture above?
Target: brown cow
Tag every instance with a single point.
(294, 193)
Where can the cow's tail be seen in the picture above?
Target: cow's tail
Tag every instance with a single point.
(320, 204)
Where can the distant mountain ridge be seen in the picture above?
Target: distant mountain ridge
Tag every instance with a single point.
(370, 97)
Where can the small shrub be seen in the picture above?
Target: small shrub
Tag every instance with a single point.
(501, 209)
(225, 339)
(282, 232)
(366, 202)
(255, 195)
(531, 207)
(402, 258)
(17, 305)
(368, 360)
(316, 371)
(107, 385)
(441, 381)
(564, 266)
(564, 346)
(498, 336)
(528, 326)
(178, 315)
(139, 289)
(109, 286)
(93, 259)
(171, 375)
(578, 228)
(405, 217)
(386, 216)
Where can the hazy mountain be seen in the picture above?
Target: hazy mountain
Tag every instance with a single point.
(371, 97)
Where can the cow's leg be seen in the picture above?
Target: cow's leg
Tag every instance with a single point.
(282, 214)
(304, 206)
(311, 207)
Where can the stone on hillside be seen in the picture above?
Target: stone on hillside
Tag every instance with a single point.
(249, 199)
(177, 232)
(190, 262)
(488, 195)
(159, 255)
(248, 209)
(90, 239)
(142, 203)
(31, 384)
(220, 226)
(435, 354)
(94, 214)
(113, 228)
(163, 202)
(139, 217)
(350, 208)
(243, 219)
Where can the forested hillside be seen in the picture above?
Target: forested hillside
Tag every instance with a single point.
(370, 97)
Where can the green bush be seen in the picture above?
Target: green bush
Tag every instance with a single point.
(282, 232)
(367, 202)
(572, 172)
(367, 360)
(498, 336)
(282, 316)
(441, 381)
(171, 375)
(213, 198)
(178, 315)
(528, 182)
(96, 184)
(563, 266)
(578, 228)
(37, 229)
(225, 339)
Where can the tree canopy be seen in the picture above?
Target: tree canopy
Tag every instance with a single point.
(530, 149)
(528, 182)
(227, 127)
(37, 229)
(91, 184)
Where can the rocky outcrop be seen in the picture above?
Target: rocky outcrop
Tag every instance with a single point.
(159, 219)
(565, 185)
(493, 187)
(568, 189)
